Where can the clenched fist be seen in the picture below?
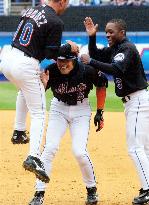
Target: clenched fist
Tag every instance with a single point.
(85, 58)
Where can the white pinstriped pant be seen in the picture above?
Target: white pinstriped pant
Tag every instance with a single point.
(24, 72)
(78, 119)
(137, 128)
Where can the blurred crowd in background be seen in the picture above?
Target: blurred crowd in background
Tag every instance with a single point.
(96, 2)
(18, 7)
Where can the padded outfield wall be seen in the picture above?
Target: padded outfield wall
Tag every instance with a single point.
(141, 40)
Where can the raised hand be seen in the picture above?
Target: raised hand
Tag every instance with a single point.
(91, 29)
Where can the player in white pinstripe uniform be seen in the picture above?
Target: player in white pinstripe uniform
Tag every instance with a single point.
(71, 82)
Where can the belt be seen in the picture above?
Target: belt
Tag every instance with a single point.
(125, 99)
(25, 54)
(132, 95)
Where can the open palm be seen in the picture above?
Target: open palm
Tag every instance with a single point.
(91, 29)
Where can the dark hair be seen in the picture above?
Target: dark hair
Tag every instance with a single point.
(121, 24)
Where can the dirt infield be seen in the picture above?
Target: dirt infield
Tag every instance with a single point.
(115, 174)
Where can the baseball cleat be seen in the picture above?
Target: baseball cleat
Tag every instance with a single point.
(142, 199)
(19, 137)
(38, 198)
(33, 164)
(92, 196)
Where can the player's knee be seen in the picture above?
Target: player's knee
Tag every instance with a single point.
(80, 156)
(50, 150)
(38, 114)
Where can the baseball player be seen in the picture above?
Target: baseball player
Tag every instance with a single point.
(71, 82)
(38, 36)
(121, 59)
(53, 41)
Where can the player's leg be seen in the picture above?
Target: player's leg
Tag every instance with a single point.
(146, 121)
(21, 112)
(57, 125)
(11, 69)
(34, 93)
(6, 64)
(19, 134)
(56, 129)
(24, 73)
(137, 120)
(79, 129)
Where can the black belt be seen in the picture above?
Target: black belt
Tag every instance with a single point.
(125, 99)
(25, 54)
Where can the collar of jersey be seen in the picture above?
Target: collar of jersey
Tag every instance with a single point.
(123, 41)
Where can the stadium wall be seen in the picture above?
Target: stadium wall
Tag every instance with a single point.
(135, 16)
(141, 40)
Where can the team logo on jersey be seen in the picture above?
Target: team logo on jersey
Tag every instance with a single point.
(118, 82)
(119, 57)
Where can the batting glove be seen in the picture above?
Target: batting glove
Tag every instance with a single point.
(98, 119)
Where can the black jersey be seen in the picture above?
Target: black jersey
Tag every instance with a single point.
(76, 85)
(39, 33)
(127, 68)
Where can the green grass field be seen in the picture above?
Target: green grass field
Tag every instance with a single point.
(8, 94)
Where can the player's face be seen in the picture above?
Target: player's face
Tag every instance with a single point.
(65, 66)
(113, 33)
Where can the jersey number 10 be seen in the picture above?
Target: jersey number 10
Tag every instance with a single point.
(26, 33)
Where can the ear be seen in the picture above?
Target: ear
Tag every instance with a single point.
(61, 2)
(122, 32)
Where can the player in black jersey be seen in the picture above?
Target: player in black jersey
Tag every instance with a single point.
(71, 82)
(40, 31)
(38, 36)
(121, 59)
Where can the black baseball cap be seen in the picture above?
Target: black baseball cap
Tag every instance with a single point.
(68, 56)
